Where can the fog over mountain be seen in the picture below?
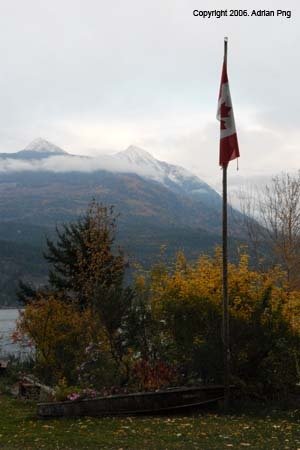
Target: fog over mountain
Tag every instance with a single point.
(42, 155)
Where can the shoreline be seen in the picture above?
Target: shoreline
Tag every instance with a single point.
(11, 307)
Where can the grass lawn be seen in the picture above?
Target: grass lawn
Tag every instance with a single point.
(19, 429)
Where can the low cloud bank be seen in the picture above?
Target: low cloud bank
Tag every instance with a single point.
(67, 163)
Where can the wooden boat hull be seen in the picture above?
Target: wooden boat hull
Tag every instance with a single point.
(138, 403)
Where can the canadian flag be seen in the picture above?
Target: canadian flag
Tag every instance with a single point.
(229, 147)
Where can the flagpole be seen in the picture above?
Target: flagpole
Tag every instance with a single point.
(225, 324)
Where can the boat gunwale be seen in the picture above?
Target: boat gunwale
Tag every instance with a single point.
(136, 394)
(140, 411)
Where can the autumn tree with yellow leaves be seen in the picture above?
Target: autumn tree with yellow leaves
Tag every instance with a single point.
(185, 302)
(86, 280)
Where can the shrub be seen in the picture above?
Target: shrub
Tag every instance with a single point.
(186, 302)
(59, 333)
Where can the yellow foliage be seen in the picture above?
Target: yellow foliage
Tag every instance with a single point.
(203, 280)
(59, 332)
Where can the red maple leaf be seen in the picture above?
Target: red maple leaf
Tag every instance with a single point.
(224, 110)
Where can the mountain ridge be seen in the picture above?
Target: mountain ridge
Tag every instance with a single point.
(131, 160)
(158, 204)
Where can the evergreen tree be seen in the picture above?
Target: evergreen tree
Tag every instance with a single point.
(83, 257)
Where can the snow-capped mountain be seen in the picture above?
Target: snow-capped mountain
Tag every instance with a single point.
(42, 155)
(139, 158)
(40, 145)
(174, 177)
(36, 150)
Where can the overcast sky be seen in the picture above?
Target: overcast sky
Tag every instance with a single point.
(94, 76)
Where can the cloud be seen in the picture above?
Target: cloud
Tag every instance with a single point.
(98, 76)
(62, 164)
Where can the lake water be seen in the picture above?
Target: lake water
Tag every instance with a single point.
(8, 318)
